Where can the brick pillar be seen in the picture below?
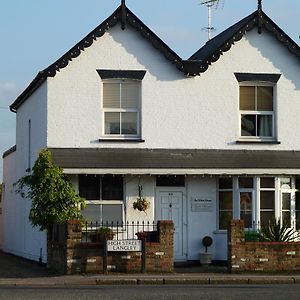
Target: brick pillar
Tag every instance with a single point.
(236, 239)
(61, 244)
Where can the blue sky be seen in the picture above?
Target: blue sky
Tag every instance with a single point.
(34, 33)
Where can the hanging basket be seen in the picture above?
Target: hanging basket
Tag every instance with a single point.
(141, 204)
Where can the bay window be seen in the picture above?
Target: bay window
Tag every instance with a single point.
(225, 202)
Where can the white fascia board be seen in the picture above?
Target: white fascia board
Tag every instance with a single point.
(186, 171)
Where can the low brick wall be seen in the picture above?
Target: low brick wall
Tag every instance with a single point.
(67, 255)
(260, 256)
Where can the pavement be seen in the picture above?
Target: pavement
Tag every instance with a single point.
(16, 271)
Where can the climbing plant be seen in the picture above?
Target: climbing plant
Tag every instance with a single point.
(53, 197)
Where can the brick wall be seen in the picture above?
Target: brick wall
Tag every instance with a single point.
(67, 255)
(260, 256)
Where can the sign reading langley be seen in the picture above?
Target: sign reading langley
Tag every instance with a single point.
(124, 245)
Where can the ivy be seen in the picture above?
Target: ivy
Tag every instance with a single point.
(53, 197)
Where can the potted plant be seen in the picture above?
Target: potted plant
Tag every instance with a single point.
(102, 234)
(205, 258)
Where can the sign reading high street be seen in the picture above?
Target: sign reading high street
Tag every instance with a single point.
(124, 245)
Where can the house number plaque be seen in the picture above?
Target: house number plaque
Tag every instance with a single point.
(204, 204)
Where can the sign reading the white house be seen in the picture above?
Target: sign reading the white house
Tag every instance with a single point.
(124, 245)
(202, 204)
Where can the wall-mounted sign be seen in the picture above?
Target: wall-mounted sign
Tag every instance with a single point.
(124, 245)
(203, 204)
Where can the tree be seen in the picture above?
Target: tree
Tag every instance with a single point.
(54, 199)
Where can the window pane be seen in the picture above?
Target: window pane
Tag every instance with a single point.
(89, 187)
(111, 95)
(285, 183)
(246, 208)
(245, 182)
(129, 123)
(112, 123)
(286, 201)
(91, 213)
(265, 217)
(267, 200)
(298, 183)
(112, 213)
(170, 180)
(298, 201)
(286, 218)
(112, 187)
(248, 123)
(298, 220)
(225, 183)
(265, 125)
(267, 182)
(225, 200)
(130, 95)
(265, 98)
(247, 98)
(224, 219)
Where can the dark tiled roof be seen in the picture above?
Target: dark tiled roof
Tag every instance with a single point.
(213, 49)
(115, 18)
(116, 158)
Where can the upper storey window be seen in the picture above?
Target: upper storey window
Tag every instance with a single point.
(121, 108)
(121, 103)
(257, 111)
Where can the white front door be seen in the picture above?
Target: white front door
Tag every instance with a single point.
(170, 207)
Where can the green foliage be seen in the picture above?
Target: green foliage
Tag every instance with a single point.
(252, 236)
(53, 197)
(275, 232)
(141, 204)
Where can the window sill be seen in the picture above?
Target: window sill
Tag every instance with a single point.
(272, 142)
(121, 140)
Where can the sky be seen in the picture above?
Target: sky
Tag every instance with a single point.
(35, 33)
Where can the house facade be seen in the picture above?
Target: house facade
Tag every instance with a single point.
(204, 140)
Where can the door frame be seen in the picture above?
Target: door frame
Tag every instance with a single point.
(183, 215)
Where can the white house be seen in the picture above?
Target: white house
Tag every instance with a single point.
(208, 138)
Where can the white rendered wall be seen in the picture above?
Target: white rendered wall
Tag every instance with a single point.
(20, 238)
(177, 112)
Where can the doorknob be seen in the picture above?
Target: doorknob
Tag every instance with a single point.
(170, 205)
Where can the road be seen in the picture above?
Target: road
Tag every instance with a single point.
(249, 292)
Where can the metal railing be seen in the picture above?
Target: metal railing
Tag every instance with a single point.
(116, 230)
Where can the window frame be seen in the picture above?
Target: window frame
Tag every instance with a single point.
(257, 112)
(102, 202)
(137, 110)
(218, 204)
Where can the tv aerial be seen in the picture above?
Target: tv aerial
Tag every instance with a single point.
(210, 4)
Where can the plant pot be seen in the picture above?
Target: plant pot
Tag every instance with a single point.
(205, 259)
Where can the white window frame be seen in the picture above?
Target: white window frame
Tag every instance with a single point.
(120, 110)
(257, 113)
(101, 202)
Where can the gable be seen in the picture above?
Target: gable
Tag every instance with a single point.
(123, 16)
(213, 49)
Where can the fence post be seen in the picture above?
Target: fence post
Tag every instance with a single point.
(105, 257)
(143, 255)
